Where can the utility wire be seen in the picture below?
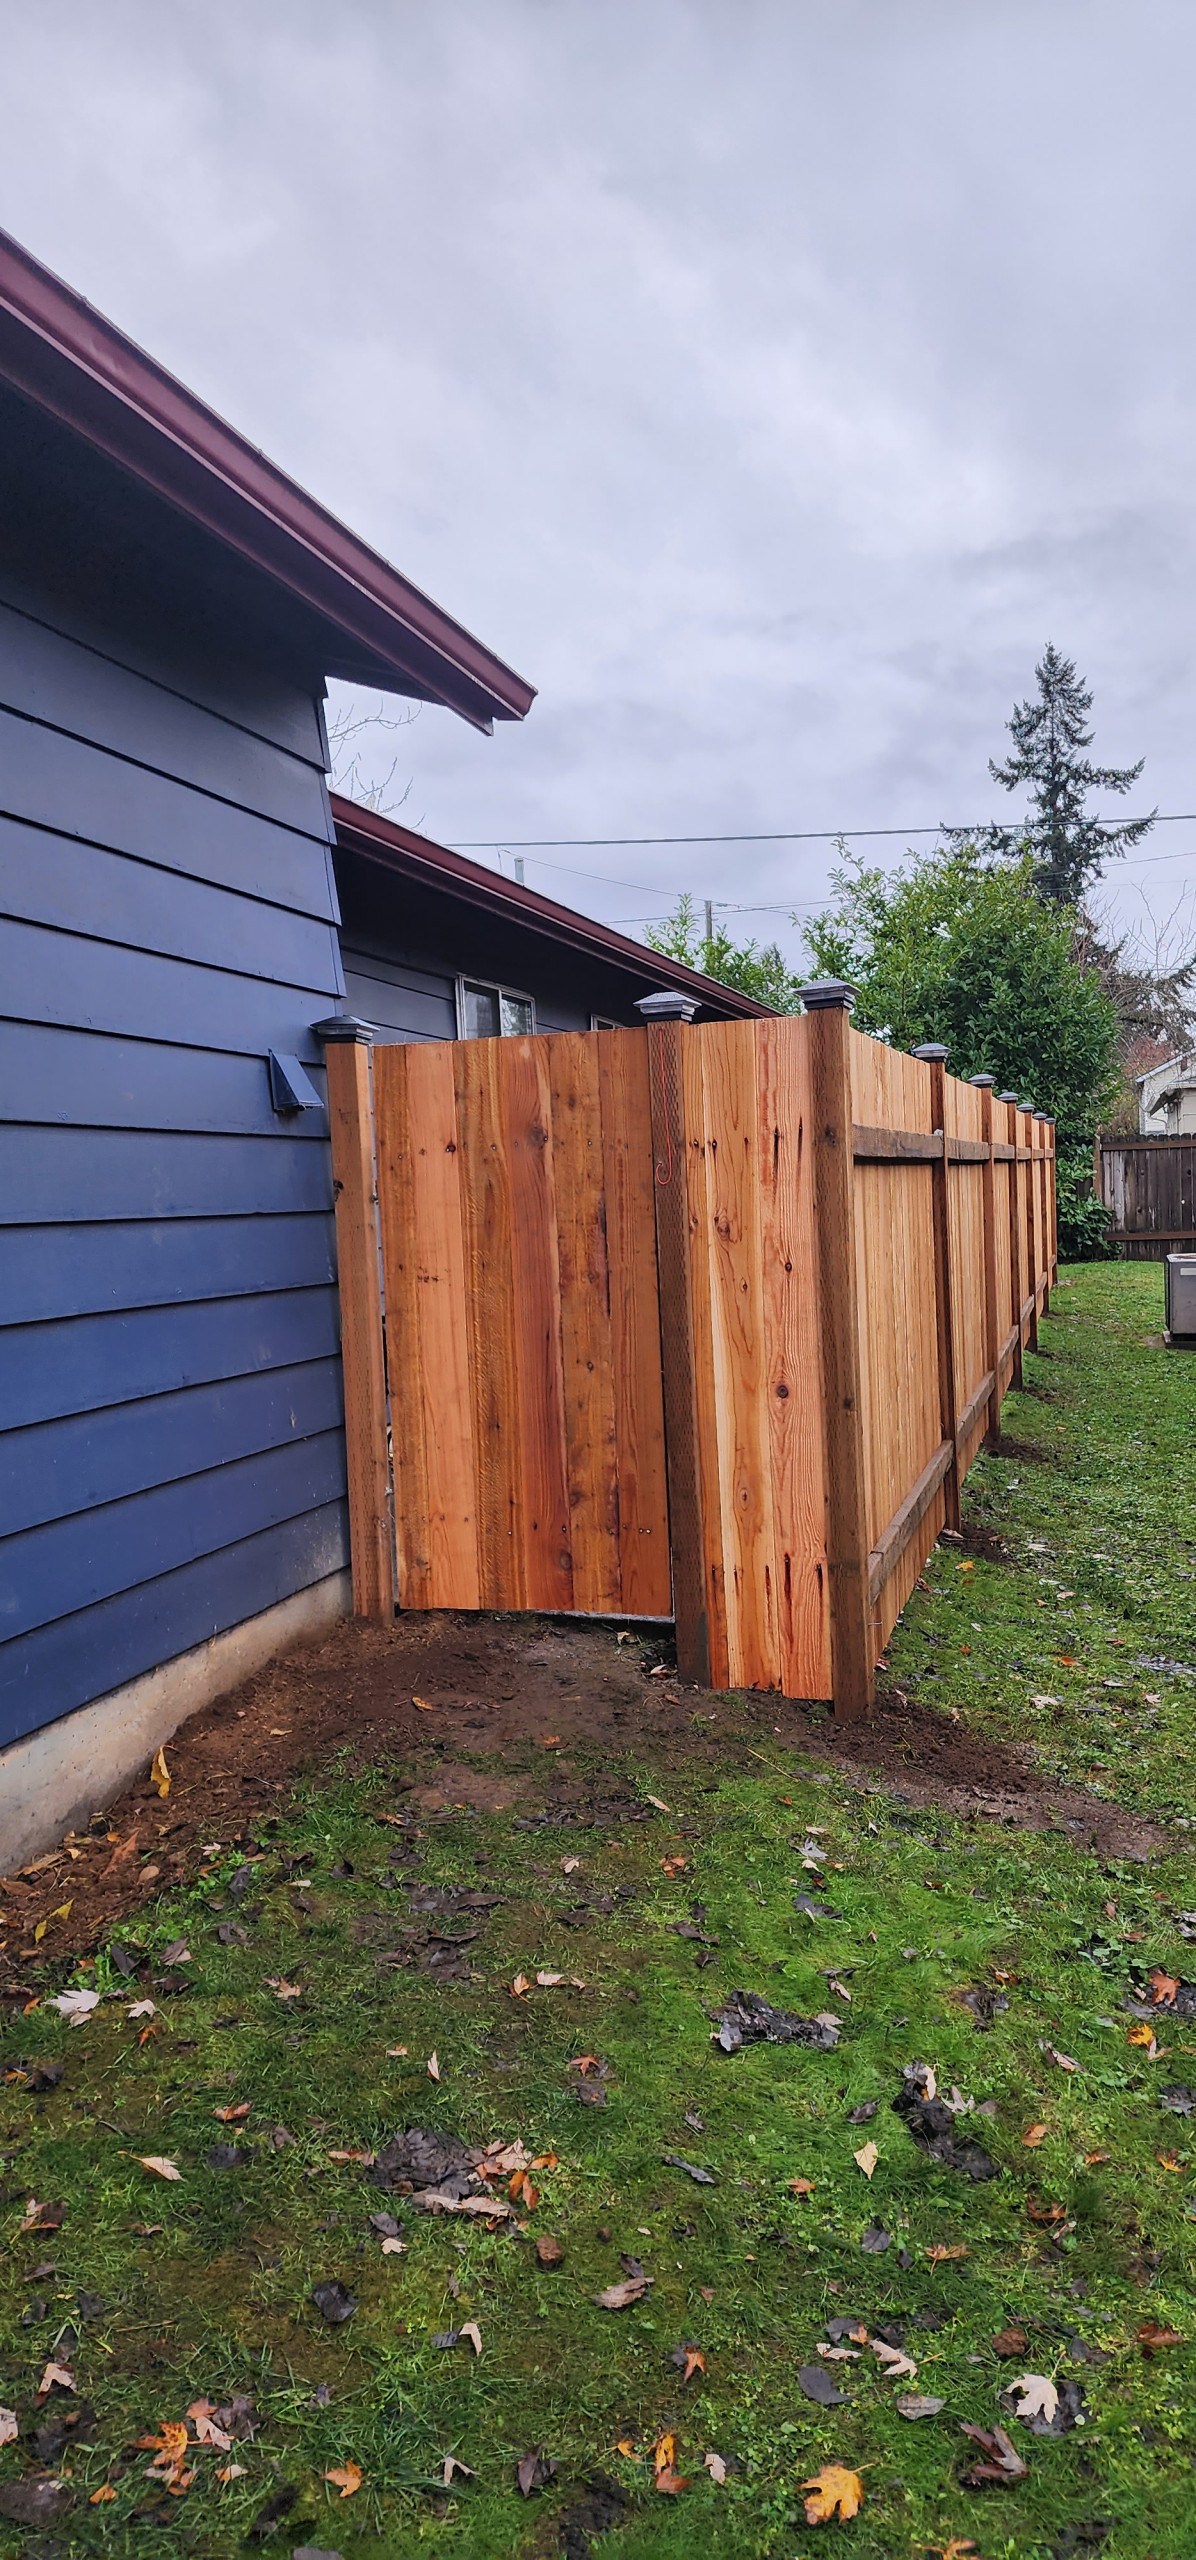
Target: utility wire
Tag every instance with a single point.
(774, 835)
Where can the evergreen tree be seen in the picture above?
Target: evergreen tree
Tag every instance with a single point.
(1050, 736)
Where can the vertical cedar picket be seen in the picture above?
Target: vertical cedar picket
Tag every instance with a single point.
(828, 1007)
(992, 1320)
(1015, 1235)
(935, 1056)
(667, 1022)
(351, 1128)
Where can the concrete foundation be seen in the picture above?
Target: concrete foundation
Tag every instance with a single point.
(54, 1780)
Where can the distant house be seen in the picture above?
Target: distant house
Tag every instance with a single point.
(1167, 1098)
(172, 1486)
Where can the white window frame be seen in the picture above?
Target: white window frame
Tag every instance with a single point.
(493, 987)
(605, 1022)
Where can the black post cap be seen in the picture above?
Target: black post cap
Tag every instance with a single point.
(343, 1026)
(984, 1080)
(822, 995)
(933, 1051)
(667, 1004)
(1007, 1097)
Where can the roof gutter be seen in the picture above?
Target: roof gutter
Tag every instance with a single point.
(60, 353)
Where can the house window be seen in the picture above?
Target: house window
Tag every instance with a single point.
(604, 1022)
(492, 1013)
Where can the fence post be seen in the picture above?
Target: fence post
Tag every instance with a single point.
(667, 1016)
(1031, 1223)
(828, 1005)
(1015, 1237)
(1044, 1207)
(936, 1058)
(351, 1126)
(992, 1329)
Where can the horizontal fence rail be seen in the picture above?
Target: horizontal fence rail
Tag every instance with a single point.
(703, 1322)
(1148, 1186)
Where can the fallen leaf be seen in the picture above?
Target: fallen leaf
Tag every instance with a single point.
(898, 2366)
(1040, 2397)
(1011, 2341)
(203, 2418)
(75, 2006)
(716, 2467)
(1066, 2061)
(569, 1866)
(664, 2460)
(451, 2464)
(1096, 2159)
(618, 2296)
(550, 1981)
(43, 2217)
(142, 2009)
(233, 2115)
(392, 2248)
(471, 2331)
(833, 2491)
(1151, 2336)
(9, 2426)
(534, 2471)
(520, 1986)
(818, 2386)
(585, 2063)
(396, 2053)
(364, 2159)
(549, 2251)
(1167, 2160)
(942, 2252)
(661, 1807)
(918, 2404)
(425, 1706)
(284, 1990)
(701, 2177)
(1004, 2462)
(1163, 1985)
(867, 2158)
(1039, 2211)
(1033, 2135)
(160, 2167)
(231, 2471)
(160, 1774)
(333, 2301)
(56, 2377)
(674, 1866)
(802, 2186)
(347, 2478)
(549, 1741)
(100, 2497)
(433, 2067)
(689, 2359)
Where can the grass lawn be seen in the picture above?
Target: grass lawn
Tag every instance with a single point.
(1012, 1963)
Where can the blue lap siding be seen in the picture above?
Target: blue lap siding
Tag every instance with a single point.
(171, 1454)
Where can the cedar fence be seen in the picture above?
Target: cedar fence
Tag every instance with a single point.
(702, 1322)
(1148, 1186)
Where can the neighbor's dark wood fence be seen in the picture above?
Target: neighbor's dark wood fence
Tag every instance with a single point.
(1149, 1187)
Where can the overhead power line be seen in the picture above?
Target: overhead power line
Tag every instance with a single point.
(769, 835)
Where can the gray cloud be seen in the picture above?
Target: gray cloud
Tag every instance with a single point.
(767, 380)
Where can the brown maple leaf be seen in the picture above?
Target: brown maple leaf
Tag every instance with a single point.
(833, 2491)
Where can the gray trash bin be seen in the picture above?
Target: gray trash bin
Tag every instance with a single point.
(1180, 1285)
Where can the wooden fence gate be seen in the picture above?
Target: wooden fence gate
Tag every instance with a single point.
(691, 1322)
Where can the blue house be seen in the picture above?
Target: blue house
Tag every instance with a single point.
(171, 1465)
(172, 1484)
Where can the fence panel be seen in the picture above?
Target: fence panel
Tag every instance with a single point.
(525, 1391)
(696, 1322)
(1149, 1187)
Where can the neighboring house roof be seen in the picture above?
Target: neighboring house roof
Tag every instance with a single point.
(416, 858)
(62, 355)
(1181, 1070)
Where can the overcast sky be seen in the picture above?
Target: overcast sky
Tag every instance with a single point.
(767, 380)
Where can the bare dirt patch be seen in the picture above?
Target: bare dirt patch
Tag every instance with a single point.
(502, 1704)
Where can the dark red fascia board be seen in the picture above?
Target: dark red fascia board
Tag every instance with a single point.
(60, 353)
(418, 859)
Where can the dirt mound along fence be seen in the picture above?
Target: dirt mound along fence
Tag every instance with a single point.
(694, 1321)
(1148, 1186)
